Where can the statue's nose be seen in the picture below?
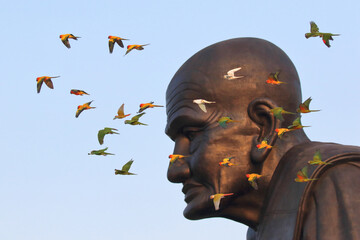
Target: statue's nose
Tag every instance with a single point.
(179, 170)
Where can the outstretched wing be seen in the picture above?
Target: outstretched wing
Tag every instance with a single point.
(136, 117)
(313, 27)
(326, 38)
(120, 43)
(101, 135)
(254, 184)
(307, 102)
(121, 110)
(111, 45)
(202, 107)
(127, 166)
(66, 42)
(232, 71)
(49, 83)
(317, 156)
(39, 84)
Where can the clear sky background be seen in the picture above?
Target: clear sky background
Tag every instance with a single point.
(50, 188)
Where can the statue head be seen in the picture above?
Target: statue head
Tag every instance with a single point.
(248, 99)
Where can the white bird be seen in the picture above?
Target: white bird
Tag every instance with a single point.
(201, 103)
(231, 74)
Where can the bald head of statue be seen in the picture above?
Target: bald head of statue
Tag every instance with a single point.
(197, 134)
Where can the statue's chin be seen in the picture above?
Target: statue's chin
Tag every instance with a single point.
(199, 208)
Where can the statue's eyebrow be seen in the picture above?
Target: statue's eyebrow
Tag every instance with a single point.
(175, 125)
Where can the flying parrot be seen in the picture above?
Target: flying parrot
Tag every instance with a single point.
(263, 144)
(83, 107)
(317, 160)
(174, 157)
(296, 124)
(281, 131)
(201, 103)
(314, 32)
(120, 113)
(78, 92)
(226, 162)
(100, 152)
(273, 79)
(135, 120)
(103, 132)
(144, 106)
(47, 81)
(278, 112)
(125, 169)
(113, 40)
(231, 74)
(304, 107)
(65, 39)
(217, 198)
(252, 177)
(302, 175)
(223, 121)
(135, 46)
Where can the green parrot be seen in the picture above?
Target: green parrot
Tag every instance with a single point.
(304, 107)
(100, 152)
(314, 32)
(278, 112)
(317, 159)
(225, 120)
(296, 124)
(103, 132)
(135, 120)
(302, 175)
(125, 169)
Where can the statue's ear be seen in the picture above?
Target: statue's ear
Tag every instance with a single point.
(259, 112)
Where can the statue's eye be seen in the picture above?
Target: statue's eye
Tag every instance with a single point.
(191, 132)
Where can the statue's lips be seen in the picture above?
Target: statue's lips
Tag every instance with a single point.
(190, 190)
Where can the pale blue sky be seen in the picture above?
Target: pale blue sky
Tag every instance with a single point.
(51, 189)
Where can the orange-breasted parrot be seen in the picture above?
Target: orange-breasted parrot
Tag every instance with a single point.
(281, 131)
(223, 121)
(302, 175)
(314, 32)
(174, 157)
(135, 46)
(125, 169)
(278, 112)
(230, 75)
(317, 160)
(47, 81)
(103, 132)
(226, 162)
(135, 120)
(252, 177)
(217, 198)
(120, 113)
(144, 106)
(65, 39)
(100, 152)
(201, 103)
(304, 107)
(263, 144)
(273, 79)
(296, 124)
(83, 107)
(113, 40)
(78, 92)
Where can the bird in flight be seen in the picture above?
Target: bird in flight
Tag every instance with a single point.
(65, 39)
(135, 46)
(85, 106)
(217, 198)
(47, 81)
(100, 152)
(120, 113)
(113, 40)
(201, 103)
(314, 32)
(231, 74)
(103, 132)
(125, 169)
(78, 92)
(135, 120)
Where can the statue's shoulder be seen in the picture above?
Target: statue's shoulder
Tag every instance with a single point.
(331, 199)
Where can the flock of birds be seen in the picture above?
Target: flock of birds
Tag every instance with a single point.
(272, 79)
(86, 106)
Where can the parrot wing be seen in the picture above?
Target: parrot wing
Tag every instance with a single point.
(232, 71)
(136, 117)
(307, 102)
(277, 113)
(121, 110)
(39, 84)
(303, 172)
(129, 49)
(202, 107)
(326, 38)
(254, 184)
(66, 42)
(120, 43)
(297, 122)
(88, 103)
(222, 124)
(111, 45)
(101, 135)
(216, 201)
(79, 111)
(127, 166)
(49, 83)
(317, 156)
(313, 27)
